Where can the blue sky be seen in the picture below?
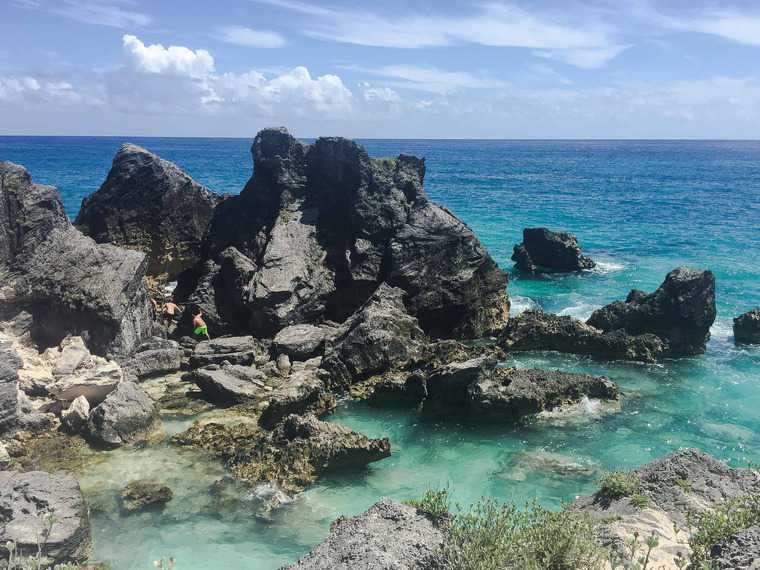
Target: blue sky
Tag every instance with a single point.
(422, 69)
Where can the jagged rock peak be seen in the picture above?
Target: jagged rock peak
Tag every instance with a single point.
(149, 204)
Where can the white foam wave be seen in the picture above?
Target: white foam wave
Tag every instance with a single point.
(520, 304)
(722, 329)
(581, 311)
(605, 267)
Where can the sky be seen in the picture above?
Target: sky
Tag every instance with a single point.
(508, 69)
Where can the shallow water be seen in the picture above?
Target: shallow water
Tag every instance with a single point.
(641, 208)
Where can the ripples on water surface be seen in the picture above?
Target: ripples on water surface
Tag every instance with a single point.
(641, 208)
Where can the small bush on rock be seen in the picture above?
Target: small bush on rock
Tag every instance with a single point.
(618, 484)
(434, 503)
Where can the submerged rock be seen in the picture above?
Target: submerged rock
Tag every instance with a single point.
(680, 312)
(536, 330)
(687, 481)
(148, 204)
(144, 493)
(379, 336)
(747, 327)
(127, 415)
(388, 535)
(545, 250)
(69, 284)
(319, 227)
(291, 456)
(48, 508)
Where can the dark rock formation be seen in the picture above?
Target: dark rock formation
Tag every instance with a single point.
(125, 416)
(148, 204)
(68, 283)
(302, 342)
(388, 535)
(747, 327)
(319, 227)
(680, 312)
(291, 456)
(740, 551)
(478, 387)
(27, 499)
(243, 350)
(9, 388)
(228, 384)
(302, 392)
(687, 481)
(144, 493)
(545, 250)
(154, 357)
(381, 335)
(536, 330)
(74, 418)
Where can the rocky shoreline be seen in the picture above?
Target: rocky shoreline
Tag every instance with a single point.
(332, 275)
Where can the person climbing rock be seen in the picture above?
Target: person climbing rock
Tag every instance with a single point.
(199, 325)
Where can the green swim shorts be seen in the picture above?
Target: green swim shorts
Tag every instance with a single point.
(201, 330)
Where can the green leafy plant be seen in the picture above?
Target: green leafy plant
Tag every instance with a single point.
(618, 484)
(684, 484)
(434, 503)
(639, 501)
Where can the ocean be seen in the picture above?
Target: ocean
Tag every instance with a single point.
(639, 208)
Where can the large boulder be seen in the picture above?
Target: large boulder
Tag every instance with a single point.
(669, 490)
(302, 342)
(389, 535)
(148, 204)
(69, 284)
(154, 357)
(381, 335)
(127, 415)
(9, 387)
(536, 330)
(680, 312)
(318, 228)
(545, 250)
(228, 384)
(243, 350)
(31, 501)
(747, 327)
(479, 388)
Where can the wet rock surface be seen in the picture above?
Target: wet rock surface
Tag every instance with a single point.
(36, 504)
(69, 284)
(319, 227)
(544, 250)
(537, 330)
(144, 493)
(148, 204)
(388, 535)
(747, 327)
(127, 415)
(680, 312)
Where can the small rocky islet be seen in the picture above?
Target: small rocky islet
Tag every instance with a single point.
(330, 275)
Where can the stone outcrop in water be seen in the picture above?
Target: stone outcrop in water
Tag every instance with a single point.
(69, 284)
(537, 330)
(388, 535)
(680, 312)
(127, 415)
(545, 250)
(36, 504)
(319, 227)
(144, 493)
(148, 204)
(292, 455)
(747, 327)
(673, 486)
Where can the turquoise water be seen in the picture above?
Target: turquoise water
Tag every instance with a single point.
(641, 208)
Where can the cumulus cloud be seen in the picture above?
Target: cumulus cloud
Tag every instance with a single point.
(156, 58)
(243, 36)
(28, 89)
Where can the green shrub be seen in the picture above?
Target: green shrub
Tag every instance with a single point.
(639, 501)
(684, 484)
(434, 503)
(491, 536)
(617, 484)
(710, 527)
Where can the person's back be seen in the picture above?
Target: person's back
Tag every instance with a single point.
(199, 325)
(170, 308)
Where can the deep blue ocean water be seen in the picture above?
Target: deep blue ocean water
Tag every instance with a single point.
(641, 208)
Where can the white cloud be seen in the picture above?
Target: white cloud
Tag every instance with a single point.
(383, 94)
(177, 60)
(31, 90)
(431, 79)
(100, 12)
(243, 36)
(585, 58)
(492, 24)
